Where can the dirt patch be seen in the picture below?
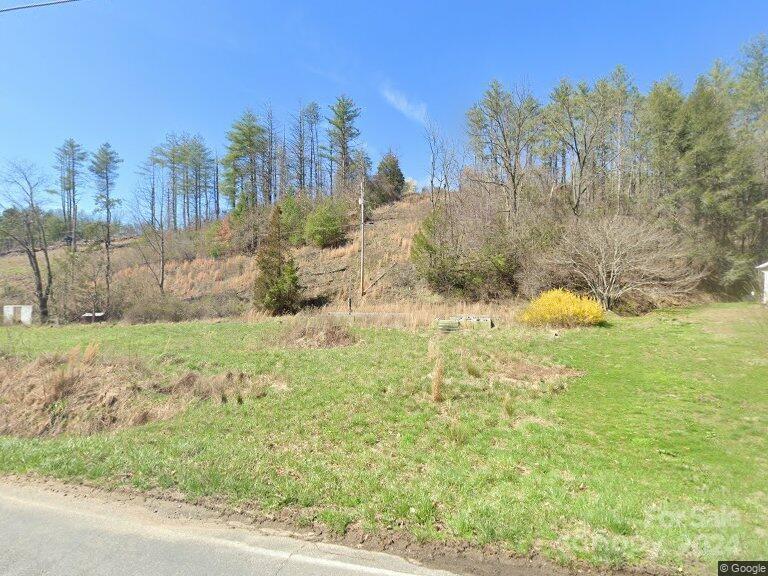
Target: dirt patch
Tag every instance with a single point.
(526, 375)
(229, 387)
(319, 332)
(82, 393)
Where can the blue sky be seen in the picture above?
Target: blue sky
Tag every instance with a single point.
(130, 71)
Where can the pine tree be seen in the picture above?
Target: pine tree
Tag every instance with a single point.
(276, 288)
(389, 181)
(661, 119)
(342, 133)
(70, 159)
(104, 164)
(247, 144)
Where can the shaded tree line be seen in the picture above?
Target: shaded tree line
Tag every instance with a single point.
(538, 175)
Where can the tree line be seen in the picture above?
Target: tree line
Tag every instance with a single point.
(598, 161)
(638, 198)
(184, 186)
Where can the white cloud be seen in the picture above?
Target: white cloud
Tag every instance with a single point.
(416, 111)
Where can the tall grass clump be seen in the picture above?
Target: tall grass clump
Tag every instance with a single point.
(564, 309)
(437, 376)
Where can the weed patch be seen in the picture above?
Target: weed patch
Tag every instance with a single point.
(79, 393)
(316, 333)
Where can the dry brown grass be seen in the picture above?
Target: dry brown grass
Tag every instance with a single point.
(329, 273)
(413, 315)
(224, 388)
(70, 392)
(438, 376)
(525, 375)
(395, 296)
(83, 393)
(316, 332)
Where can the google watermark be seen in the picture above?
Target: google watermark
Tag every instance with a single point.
(743, 567)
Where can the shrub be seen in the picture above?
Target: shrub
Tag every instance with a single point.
(324, 226)
(293, 213)
(282, 294)
(159, 308)
(486, 270)
(214, 242)
(388, 183)
(621, 257)
(563, 308)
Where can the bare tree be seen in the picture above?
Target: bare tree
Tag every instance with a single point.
(503, 128)
(311, 114)
(150, 220)
(297, 147)
(23, 221)
(579, 117)
(446, 163)
(436, 146)
(617, 256)
(91, 267)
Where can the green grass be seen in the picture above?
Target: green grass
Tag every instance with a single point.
(656, 455)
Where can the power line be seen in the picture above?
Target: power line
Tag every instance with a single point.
(39, 5)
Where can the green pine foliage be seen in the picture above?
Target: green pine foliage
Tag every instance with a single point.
(247, 142)
(389, 182)
(325, 226)
(342, 133)
(294, 210)
(276, 289)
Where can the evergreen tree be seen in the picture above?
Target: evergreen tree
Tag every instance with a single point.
(104, 164)
(342, 133)
(661, 119)
(752, 84)
(276, 288)
(70, 160)
(706, 149)
(247, 144)
(389, 182)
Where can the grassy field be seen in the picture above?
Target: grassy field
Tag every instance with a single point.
(653, 452)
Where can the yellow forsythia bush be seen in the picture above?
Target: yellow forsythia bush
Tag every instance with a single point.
(563, 308)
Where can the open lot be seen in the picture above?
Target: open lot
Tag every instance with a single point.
(642, 443)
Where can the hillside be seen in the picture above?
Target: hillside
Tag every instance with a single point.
(329, 276)
(389, 273)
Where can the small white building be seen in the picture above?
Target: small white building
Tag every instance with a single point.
(18, 314)
(764, 269)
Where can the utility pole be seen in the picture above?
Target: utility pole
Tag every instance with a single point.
(362, 238)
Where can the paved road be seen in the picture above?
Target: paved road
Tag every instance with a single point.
(43, 532)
